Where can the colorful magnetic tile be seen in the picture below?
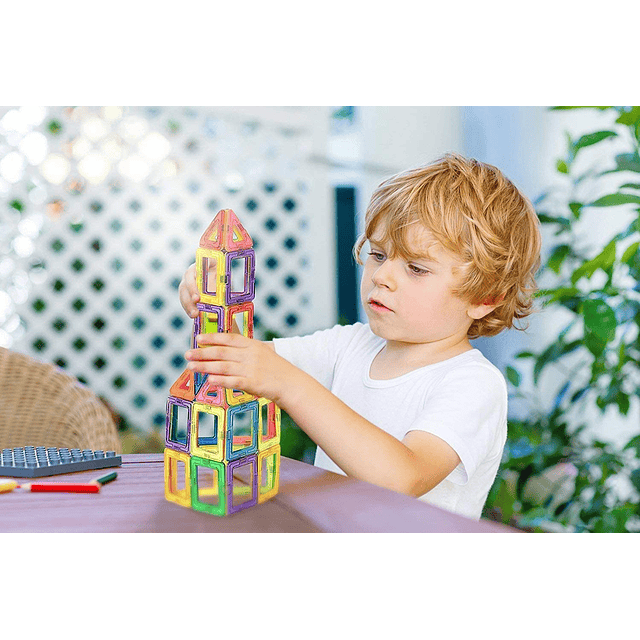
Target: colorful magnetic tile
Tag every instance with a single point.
(242, 430)
(208, 486)
(236, 235)
(269, 424)
(242, 491)
(268, 473)
(174, 462)
(178, 424)
(211, 394)
(199, 380)
(248, 290)
(211, 280)
(240, 317)
(224, 443)
(237, 396)
(207, 431)
(213, 236)
(212, 318)
(196, 332)
(184, 386)
(226, 232)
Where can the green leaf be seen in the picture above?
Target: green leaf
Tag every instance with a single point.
(513, 375)
(559, 294)
(614, 199)
(562, 166)
(632, 116)
(604, 260)
(578, 394)
(599, 325)
(576, 208)
(545, 218)
(623, 403)
(627, 162)
(630, 252)
(635, 478)
(552, 353)
(557, 257)
(634, 443)
(594, 138)
(600, 319)
(631, 185)
(570, 302)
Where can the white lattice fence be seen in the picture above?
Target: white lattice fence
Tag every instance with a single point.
(114, 250)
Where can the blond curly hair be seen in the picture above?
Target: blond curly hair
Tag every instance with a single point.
(475, 212)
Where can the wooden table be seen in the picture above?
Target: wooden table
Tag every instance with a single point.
(310, 500)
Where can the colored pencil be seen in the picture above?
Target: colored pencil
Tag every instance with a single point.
(61, 487)
(8, 485)
(108, 478)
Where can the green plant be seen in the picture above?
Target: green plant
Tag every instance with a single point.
(557, 474)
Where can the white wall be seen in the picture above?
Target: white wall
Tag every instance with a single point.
(386, 140)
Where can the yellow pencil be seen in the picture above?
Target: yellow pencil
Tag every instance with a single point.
(8, 485)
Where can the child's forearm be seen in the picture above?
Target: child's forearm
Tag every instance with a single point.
(360, 448)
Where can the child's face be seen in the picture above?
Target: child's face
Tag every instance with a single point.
(411, 301)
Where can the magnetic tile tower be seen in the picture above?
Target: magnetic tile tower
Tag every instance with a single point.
(222, 446)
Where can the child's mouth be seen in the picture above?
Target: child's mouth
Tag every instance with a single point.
(378, 306)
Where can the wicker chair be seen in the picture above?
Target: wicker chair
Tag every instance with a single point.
(42, 406)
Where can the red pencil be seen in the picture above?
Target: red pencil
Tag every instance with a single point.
(61, 487)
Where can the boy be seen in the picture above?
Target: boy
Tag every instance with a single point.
(405, 401)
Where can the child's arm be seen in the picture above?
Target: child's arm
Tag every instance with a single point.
(361, 449)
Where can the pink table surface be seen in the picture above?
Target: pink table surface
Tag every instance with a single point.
(310, 500)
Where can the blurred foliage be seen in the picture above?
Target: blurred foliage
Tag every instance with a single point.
(138, 441)
(555, 474)
(55, 127)
(294, 442)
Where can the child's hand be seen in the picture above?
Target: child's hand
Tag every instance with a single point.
(236, 362)
(188, 292)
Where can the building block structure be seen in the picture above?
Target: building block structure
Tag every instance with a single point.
(222, 446)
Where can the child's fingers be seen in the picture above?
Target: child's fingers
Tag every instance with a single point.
(228, 382)
(188, 301)
(227, 339)
(216, 367)
(188, 292)
(211, 354)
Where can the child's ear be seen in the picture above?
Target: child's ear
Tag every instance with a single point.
(478, 311)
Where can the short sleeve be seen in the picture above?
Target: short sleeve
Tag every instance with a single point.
(318, 353)
(467, 408)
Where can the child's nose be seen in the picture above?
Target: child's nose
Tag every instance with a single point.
(384, 275)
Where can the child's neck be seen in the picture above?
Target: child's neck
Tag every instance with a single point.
(399, 358)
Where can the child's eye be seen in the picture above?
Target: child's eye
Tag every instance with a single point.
(419, 271)
(376, 255)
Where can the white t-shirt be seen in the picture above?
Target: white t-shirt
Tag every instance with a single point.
(462, 400)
